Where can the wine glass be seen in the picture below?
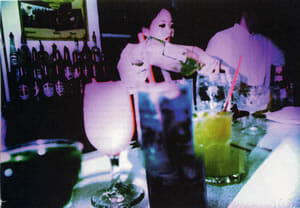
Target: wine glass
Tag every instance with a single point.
(254, 98)
(109, 126)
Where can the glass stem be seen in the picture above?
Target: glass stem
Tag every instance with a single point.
(115, 169)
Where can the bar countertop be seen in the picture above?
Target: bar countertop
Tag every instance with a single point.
(273, 178)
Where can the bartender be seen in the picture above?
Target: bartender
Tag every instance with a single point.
(155, 49)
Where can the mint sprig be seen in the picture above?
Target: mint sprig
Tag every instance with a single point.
(190, 66)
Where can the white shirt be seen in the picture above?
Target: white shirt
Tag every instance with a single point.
(258, 53)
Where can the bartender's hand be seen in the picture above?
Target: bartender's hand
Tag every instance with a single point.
(209, 64)
(153, 47)
(195, 54)
(137, 55)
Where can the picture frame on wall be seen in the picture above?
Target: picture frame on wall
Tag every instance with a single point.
(54, 19)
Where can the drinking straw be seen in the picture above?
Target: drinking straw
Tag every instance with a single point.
(232, 84)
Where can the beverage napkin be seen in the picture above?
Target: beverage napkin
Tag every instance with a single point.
(283, 123)
(276, 183)
(276, 133)
(287, 115)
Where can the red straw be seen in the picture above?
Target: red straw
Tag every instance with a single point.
(232, 84)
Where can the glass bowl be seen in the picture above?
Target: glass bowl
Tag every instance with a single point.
(41, 173)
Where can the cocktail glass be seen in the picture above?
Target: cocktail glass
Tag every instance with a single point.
(109, 126)
(175, 177)
(224, 164)
(253, 98)
(40, 173)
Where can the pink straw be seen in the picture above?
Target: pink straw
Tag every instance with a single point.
(232, 85)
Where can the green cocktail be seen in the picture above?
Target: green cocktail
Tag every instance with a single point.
(224, 164)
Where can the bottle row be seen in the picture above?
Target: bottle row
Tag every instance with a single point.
(36, 74)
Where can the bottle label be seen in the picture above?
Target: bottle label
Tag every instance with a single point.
(278, 78)
(68, 73)
(283, 94)
(17, 74)
(85, 71)
(291, 94)
(60, 89)
(94, 70)
(13, 60)
(76, 73)
(24, 91)
(39, 73)
(36, 90)
(96, 56)
(48, 89)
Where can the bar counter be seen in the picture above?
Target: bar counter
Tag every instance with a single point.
(273, 178)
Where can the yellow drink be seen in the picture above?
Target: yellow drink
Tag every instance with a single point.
(212, 133)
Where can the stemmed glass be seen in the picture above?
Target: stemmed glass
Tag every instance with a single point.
(253, 99)
(109, 126)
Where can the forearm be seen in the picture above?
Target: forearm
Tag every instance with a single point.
(132, 67)
(165, 55)
(171, 57)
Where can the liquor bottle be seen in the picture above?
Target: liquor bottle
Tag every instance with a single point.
(68, 71)
(35, 64)
(77, 61)
(60, 80)
(98, 68)
(86, 53)
(43, 56)
(23, 85)
(48, 81)
(291, 94)
(67, 64)
(12, 51)
(283, 91)
(77, 68)
(76, 53)
(37, 88)
(87, 66)
(95, 57)
(37, 76)
(14, 73)
(55, 56)
(47, 73)
(25, 57)
(86, 73)
(56, 63)
(278, 91)
(96, 53)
